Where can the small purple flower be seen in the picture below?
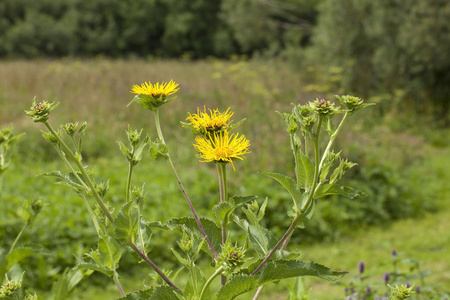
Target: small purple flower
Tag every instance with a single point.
(368, 290)
(408, 285)
(386, 277)
(394, 252)
(418, 289)
(361, 267)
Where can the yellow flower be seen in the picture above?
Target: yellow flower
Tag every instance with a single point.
(222, 147)
(157, 89)
(203, 122)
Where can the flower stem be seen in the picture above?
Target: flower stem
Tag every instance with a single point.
(188, 200)
(130, 172)
(119, 286)
(222, 171)
(18, 236)
(154, 266)
(83, 172)
(208, 282)
(305, 206)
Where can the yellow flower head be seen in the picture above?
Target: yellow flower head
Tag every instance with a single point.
(203, 122)
(222, 147)
(157, 89)
(152, 96)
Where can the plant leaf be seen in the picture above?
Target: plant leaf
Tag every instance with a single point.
(274, 271)
(305, 170)
(335, 189)
(289, 185)
(126, 222)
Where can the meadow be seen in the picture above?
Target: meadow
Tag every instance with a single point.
(403, 167)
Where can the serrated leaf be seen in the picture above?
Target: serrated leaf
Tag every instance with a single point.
(164, 293)
(289, 185)
(307, 215)
(110, 252)
(335, 189)
(274, 271)
(181, 259)
(126, 222)
(125, 150)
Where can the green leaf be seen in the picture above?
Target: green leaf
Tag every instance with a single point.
(181, 259)
(164, 293)
(305, 170)
(68, 179)
(289, 184)
(65, 283)
(335, 189)
(126, 222)
(195, 283)
(110, 252)
(93, 265)
(17, 255)
(274, 271)
(307, 215)
(225, 209)
(261, 238)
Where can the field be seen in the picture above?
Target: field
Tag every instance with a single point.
(403, 168)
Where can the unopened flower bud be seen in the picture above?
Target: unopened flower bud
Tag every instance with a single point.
(386, 277)
(361, 266)
(186, 243)
(39, 111)
(70, 128)
(322, 107)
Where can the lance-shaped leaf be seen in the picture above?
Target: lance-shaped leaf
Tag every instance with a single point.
(126, 222)
(289, 185)
(305, 170)
(336, 189)
(274, 271)
(110, 252)
(68, 179)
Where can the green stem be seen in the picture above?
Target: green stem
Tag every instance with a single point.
(119, 286)
(296, 164)
(208, 282)
(222, 171)
(18, 236)
(83, 172)
(304, 207)
(188, 200)
(332, 138)
(130, 172)
(91, 214)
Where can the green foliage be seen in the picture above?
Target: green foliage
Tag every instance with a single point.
(385, 47)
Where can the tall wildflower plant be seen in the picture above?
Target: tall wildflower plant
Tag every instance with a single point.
(217, 141)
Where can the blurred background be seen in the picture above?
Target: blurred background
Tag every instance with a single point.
(256, 57)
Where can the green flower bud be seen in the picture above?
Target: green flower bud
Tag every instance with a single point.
(322, 107)
(10, 288)
(351, 102)
(36, 206)
(186, 243)
(70, 128)
(102, 188)
(401, 292)
(231, 257)
(39, 112)
(134, 136)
